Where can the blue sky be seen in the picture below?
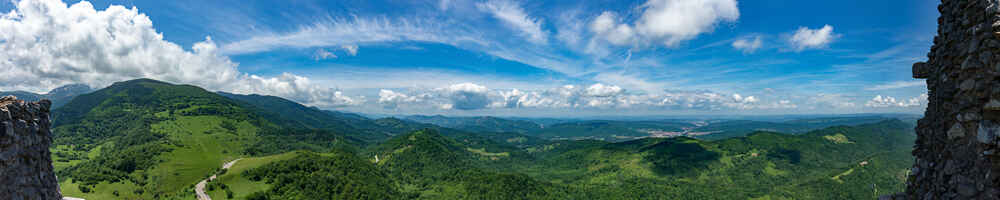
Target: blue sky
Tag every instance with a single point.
(498, 57)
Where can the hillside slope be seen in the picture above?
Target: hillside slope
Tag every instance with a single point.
(150, 139)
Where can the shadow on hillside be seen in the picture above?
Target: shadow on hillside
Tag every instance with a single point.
(675, 158)
(793, 156)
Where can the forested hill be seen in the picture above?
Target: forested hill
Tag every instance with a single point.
(147, 139)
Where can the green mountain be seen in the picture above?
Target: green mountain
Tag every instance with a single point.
(150, 139)
(290, 114)
(432, 166)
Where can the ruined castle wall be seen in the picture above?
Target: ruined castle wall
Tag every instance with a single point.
(957, 140)
(25, 162)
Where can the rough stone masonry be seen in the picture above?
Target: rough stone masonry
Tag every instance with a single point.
(957, 154)
(25, 162)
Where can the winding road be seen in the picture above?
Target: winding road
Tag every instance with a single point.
(199, 189)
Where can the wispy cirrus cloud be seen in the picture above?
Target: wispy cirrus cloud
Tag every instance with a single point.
(897, 85)
(356, 30)
(513, 15)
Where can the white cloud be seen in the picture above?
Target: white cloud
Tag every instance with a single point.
(48, 43)
(351, 49)
(513, 15)
(323, 54)
(470, 96)
(601, 90)
(607, 27)
(806, 38)
(674, 21)
(667, 22)
(340, 31)
(887, 101)
(297, 88)
(391, 99)
(706, 100)
(897, 85)
(466, 96)
(570, 28)
(747, 45)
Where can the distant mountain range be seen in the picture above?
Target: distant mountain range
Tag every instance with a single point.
(59, 96)
(478, 124)
(623, 130)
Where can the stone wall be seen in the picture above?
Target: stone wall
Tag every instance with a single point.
(956, 149)
(25, 162)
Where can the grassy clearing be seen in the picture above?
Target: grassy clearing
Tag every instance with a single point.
(205, 146)
(241, 186)
(838, 138)
(72, 157)
(483, 152)
(125, 190)
(770, 169)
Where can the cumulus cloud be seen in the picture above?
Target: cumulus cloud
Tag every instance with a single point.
(470, 96)
(667, 22)
(47, 43)
(706, 100)
(608, 27)
(391, 99)
(323, 54)
(880, 101)
(897, 85)
(674, 21)
(806, 38)
(514, 16)
(601, 90)
(747, 45)
(465, 96)
(610, 96)
(297, 88)
(350, 49)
